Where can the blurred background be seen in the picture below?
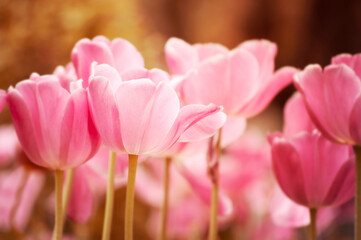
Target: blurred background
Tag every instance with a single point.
(38, 35)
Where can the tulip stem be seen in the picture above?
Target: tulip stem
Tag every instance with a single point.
(213, 171)
(357, 150)
(107, 224)
(58, 229)
(69, 178)
(129, 201)
(313, 216)
(163, 226)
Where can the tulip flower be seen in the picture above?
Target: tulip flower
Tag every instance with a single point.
(310, 169)
(54, 127)
(335, 113)
(119, 53)
(241, 80)
(9, 143)
(139, 113)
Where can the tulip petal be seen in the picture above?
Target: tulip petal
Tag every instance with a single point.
(126, 56)
(180, 56)
(156, 75)
(265, 53)
(147, 113)
(105, 112)
(268, 91)
(353, 61)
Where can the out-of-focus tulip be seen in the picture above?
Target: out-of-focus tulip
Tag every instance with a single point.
(119, 53)
(29, 183)
(242, 80)
(142, 115)
(9, 143)
(53, 124)
(310, 169)
(90, 183)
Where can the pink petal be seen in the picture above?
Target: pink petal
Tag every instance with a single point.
(268, 91)
(105, 112)
(354, 122)
(85, 52)
(80, 205)
(9, 143)
(126, 56)
(296, 118)
(230, 81)
(233, 129)
(156, 75)
(328, 107)
(265, 53)
(187, 117)
(353, 61)
(108, 72)
(180, 56)
(204, 128)
(147, 113)
(207, 50)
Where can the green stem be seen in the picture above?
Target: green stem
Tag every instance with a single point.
(129, 201)
(357, 150)
(58, 229)
(163, 226)
(313, 230)
(107, 224)
(213, 225)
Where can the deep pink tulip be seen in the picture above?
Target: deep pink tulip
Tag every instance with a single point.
(53, 124)
(10, 183)
(242, 80)
(140, 113)
(333, 97)
(310, 169)
(119, 53)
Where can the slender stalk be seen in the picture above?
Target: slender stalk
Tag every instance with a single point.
(357, 150)
(163, 226)
(58, 229)
(69, 178)
(129, 201)
(213, 226)
(107, 224)
(313, 230)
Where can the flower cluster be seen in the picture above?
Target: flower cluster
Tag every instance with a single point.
(200, 169)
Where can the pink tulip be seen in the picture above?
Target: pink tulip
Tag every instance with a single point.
(119, 53)
(10, 183)
(140, 113)
(335, 113)
(53, 124)
(310, 169)
(242, 80)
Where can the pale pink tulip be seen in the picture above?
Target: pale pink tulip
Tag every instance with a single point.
(10, 183)
(335, 113)
(140, 113)
(53, 124)
(243, 80)
(119, 53)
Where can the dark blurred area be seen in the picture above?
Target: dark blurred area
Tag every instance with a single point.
(38, 35)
